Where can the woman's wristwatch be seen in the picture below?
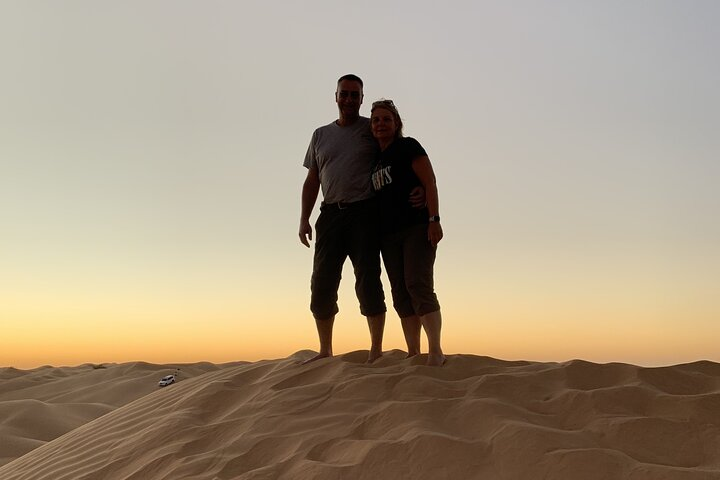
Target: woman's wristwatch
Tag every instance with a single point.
(434, 218)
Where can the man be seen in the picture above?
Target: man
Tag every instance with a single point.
(340, 160)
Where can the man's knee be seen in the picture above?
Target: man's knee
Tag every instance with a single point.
(371, 297)
(324, 295)
(404, 307)
(323, 311)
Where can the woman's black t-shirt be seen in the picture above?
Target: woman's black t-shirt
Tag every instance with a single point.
(393, 179)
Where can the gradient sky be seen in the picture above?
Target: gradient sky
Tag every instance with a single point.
(151, 166)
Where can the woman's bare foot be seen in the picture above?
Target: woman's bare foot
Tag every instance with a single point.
(374, 355)
(435, 360)
(413, 353)
(318, 357)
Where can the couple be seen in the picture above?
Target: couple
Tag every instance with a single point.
(367, 171)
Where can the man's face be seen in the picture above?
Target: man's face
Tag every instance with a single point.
(349, 97)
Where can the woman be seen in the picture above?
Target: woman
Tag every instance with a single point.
(410, 235)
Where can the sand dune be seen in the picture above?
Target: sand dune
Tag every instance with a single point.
(474, 418)
(39, 405)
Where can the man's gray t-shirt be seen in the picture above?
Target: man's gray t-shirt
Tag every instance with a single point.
(344, 157)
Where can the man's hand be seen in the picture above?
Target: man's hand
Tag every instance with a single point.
(417, 197)
(305, 233)
(310, 190)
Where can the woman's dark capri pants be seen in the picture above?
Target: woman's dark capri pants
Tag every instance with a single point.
(409, 259)
(347, 230)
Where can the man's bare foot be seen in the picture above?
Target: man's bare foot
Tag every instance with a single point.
(435, 360)
(318, 357)
(374, 355)
(413, 353)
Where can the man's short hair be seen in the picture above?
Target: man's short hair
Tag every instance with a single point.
(352, 78)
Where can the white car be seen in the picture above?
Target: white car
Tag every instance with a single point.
(166, 380)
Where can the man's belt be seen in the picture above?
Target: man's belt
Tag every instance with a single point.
(345, 205)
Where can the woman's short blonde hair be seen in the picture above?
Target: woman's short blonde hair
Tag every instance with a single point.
(390, 107)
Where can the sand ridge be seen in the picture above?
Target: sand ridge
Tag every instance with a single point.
(474, 418)
(39, 405)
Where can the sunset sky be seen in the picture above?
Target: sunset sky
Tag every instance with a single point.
(151, 166)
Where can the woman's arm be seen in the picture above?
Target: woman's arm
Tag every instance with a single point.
(423, 169)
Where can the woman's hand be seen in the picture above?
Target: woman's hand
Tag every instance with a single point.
(435, 233)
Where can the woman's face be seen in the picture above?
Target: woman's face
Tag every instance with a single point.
(382, 123)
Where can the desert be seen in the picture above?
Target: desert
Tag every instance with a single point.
(474, 418)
